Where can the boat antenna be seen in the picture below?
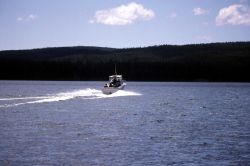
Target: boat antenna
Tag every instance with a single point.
(115, 70)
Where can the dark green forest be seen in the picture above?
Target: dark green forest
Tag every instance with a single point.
(195, 62)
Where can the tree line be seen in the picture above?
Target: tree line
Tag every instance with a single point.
(196, 62)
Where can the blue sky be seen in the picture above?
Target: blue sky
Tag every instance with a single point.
(27, 24)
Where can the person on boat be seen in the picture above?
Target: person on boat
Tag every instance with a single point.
(115, 82)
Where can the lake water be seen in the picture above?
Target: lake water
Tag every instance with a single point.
(73, 123)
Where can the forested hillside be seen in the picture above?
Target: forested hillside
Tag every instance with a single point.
(201, 62)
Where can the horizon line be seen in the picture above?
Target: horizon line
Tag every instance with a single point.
(71, 46)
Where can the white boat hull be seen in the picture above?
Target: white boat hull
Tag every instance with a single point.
(111, 90)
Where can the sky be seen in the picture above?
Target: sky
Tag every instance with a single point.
(28, 24)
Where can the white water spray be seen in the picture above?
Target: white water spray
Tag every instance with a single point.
(83, 94)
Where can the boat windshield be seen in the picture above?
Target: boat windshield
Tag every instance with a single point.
(115, 77)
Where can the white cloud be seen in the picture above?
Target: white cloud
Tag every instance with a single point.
(237, 14)
(173, 15)
(243, 1)
(19, 19)
(30, 17)
(91, 21)
(123, 15)
(199, 11)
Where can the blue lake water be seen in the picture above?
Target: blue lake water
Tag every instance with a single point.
(73, 123)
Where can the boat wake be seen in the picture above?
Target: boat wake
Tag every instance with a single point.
(83, 94)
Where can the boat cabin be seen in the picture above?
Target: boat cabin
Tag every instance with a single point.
(116, 77)
(114, 81)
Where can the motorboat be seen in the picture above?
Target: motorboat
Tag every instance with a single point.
(115, 84)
